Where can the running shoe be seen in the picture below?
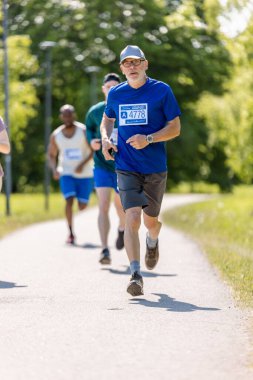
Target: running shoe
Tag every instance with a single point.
(135, 286)
(152, 256)
(71, 239)
(105, 258)
(120, 240)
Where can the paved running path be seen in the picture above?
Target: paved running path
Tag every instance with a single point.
(63, 317)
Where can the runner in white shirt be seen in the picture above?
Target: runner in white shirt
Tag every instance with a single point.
(74, 167)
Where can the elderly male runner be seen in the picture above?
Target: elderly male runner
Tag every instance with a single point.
(4, 146)
(104, 174)
(75, 164)
(147, 114)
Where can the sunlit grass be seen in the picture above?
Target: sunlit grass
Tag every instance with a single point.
(29, 208)
(223, 227)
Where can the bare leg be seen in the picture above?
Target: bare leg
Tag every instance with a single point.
(152, 248)
(82, 206)
(120, 211)
(132, 243)
(69, 213)
(153, 225)
(104, 196)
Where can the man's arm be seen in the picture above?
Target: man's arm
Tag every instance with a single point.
(170, 131)
(106, 129)
(52, 153)
(80, 166)
(91, 130)
(4, 142)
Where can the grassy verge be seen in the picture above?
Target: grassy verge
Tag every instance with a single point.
(223, 227)
(29, 208)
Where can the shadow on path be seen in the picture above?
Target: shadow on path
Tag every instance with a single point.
(86, 245)
(144, 274)
(170, 304)
(9, 285)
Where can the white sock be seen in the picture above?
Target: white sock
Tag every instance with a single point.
(150, 242)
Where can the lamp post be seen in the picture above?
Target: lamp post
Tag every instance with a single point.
(8, 186)
(47, 46)
(93, 70)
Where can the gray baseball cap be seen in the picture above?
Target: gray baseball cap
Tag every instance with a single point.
(131, 51)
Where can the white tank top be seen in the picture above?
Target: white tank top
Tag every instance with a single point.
(72, 151)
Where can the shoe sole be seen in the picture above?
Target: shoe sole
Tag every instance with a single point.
(119, 247)
(105, 261)
(149, 267)
(135, 290)
(70, 243)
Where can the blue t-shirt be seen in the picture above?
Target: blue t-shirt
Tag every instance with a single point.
(144, 110)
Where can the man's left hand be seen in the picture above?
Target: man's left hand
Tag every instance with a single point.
(137, 141)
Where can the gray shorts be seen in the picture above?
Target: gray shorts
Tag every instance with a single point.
(142, 190)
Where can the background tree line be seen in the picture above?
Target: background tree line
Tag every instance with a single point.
(210, 74)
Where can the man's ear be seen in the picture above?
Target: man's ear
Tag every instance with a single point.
(121, 69)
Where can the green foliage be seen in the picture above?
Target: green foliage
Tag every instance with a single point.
(22, 65)
(23, 99)
(195, 187)
(181, 41)
(223, 227)
(229, 118)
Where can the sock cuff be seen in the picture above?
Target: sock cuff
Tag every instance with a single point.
(135, 266)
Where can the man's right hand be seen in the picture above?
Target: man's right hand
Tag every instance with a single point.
(95, 144)
(106, 146)
(56, 175)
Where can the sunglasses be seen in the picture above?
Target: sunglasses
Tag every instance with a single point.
(135, 62)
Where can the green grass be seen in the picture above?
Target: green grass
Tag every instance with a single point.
(29, 208)
(195, 187)
(223, 227)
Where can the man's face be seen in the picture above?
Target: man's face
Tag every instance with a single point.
(134, 69)
(106, 87)
(67, 117)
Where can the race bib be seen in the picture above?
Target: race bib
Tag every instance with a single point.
(73, 154)
(136, 114)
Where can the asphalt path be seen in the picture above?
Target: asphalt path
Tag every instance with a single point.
(65, 317)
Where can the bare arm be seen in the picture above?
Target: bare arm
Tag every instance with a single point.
(52, 154)
(4, 142)
(106, 129)
(80, 166)
(170, 131)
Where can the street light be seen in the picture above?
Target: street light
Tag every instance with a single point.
(47, 46)
(8, 186)
(93, 70)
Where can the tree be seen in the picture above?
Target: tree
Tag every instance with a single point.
(181, 41)
(229, 118)
(22, 95)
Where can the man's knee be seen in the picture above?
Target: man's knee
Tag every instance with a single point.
(82, 206)
(133, 218)
(69, 202)
(104, 208)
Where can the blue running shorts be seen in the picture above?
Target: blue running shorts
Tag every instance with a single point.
(79, 188)
(105, 178)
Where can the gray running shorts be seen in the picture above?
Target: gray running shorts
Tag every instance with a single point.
(142, 190)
